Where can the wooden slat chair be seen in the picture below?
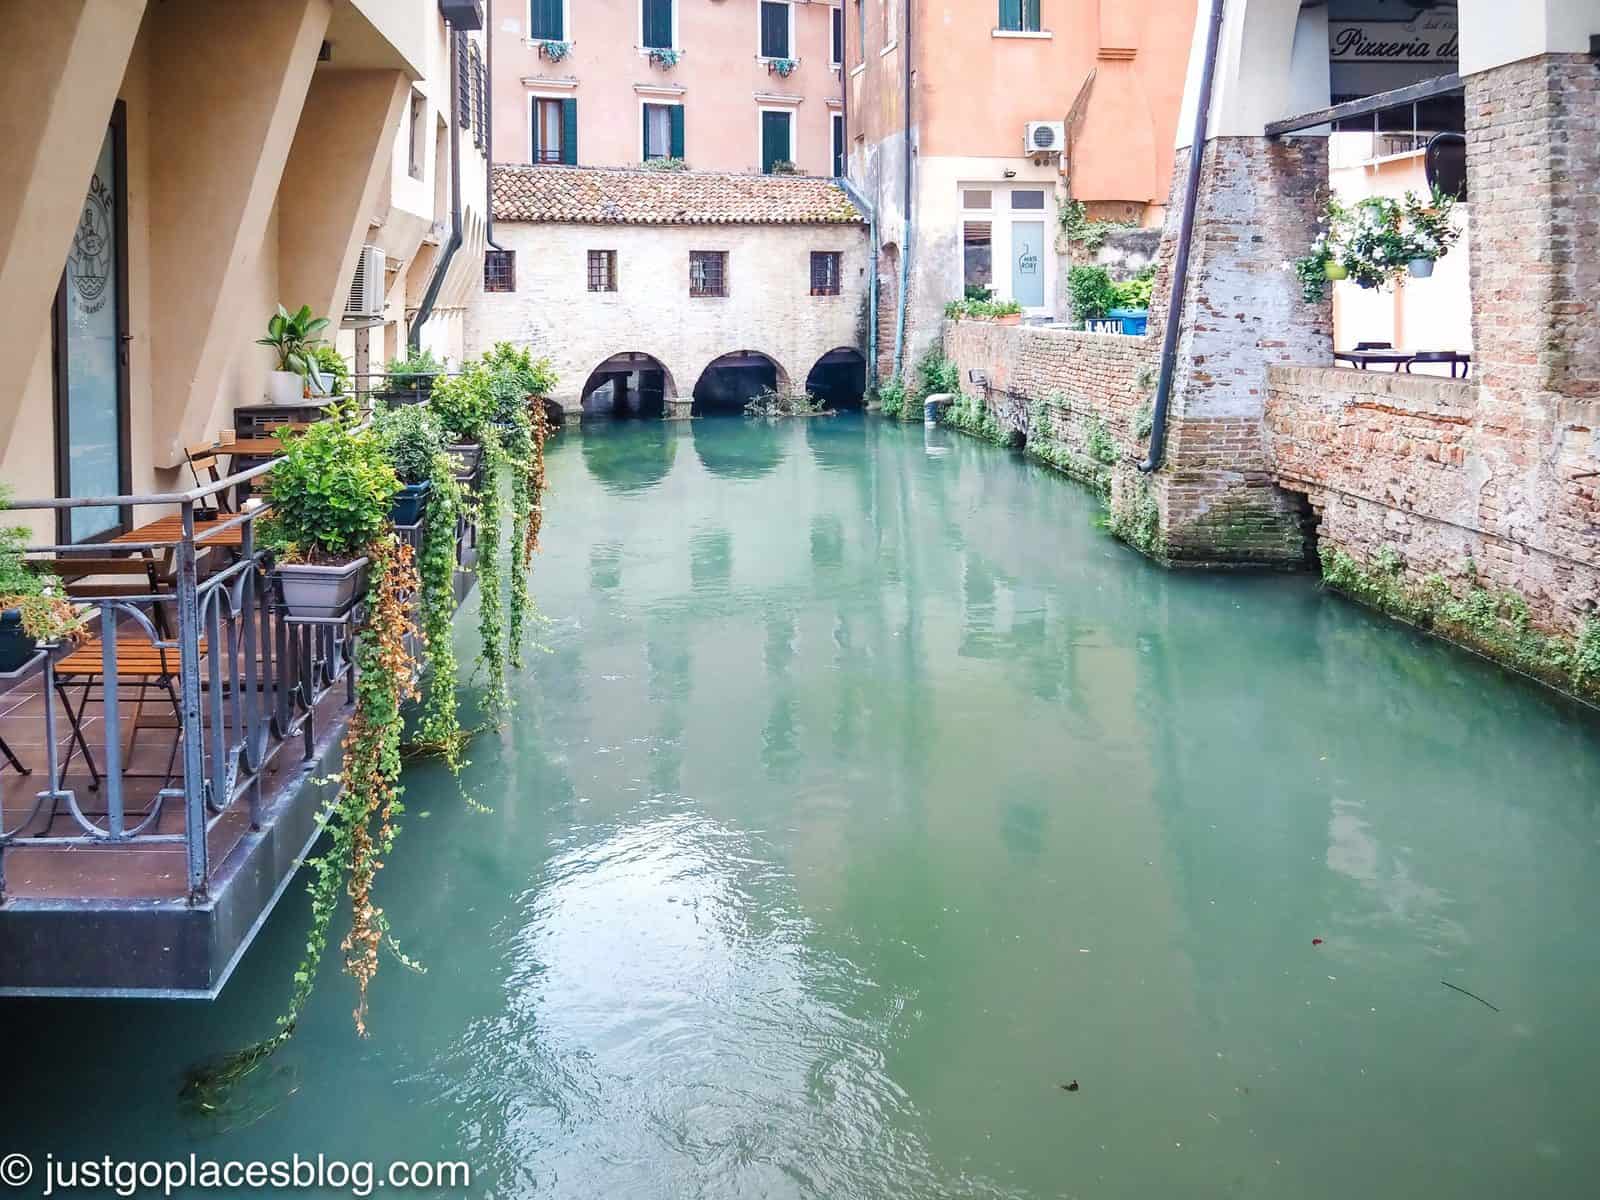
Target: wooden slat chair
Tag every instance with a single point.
(141, 664)
(80, 572)
(204, 467)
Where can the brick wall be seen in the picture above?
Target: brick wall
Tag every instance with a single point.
(1407, 463)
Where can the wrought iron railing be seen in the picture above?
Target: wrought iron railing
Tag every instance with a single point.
(244, 680)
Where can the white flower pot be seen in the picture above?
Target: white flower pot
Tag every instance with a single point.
(285, 387)
(318, 591)
(1420, 268)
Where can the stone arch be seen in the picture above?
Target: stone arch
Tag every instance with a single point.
(839, 377)
(1272, 61)
(729, 380)
(629, 383)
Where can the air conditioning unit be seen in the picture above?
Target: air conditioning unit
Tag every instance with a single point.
(1045, 137)
(366, 289)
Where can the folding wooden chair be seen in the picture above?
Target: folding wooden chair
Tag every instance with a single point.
(203, 466)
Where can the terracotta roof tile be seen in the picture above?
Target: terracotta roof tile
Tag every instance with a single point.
(638, 197)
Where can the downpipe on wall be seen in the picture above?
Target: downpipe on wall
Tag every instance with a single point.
(436, 279)
(1180, 266)
(905, 239)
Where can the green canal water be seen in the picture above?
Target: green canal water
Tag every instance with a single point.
(864, 795)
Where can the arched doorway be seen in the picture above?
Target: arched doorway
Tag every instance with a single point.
(732, 381)
(630, 384)
(839, 378)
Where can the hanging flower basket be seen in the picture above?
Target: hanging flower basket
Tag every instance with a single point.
(1420, 268)
(554, 51)
(1334, 271)
(661, 56)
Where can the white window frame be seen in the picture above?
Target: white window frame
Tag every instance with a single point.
(534, 96)
(793, 55)
(659, 102)
(566, 24)
(1000, 216)
(677, 38)
(794, 131)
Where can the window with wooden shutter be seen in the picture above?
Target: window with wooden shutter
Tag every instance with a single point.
(546, 20)
(775, 29)
(480, 100)
(547, 131)
(777, 143)
(658, 131)
(825, 272)
(836, 49)
(569, 132)
(463, 83)
(1019, 16)
(656, 24)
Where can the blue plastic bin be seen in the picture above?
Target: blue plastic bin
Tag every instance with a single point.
(1134, 320)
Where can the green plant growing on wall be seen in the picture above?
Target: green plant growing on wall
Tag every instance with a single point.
(1144, 421)
(1137, 519)
(1089, 232)
(892, 398)
(971, 415)
(491, 600)
(1102, 448)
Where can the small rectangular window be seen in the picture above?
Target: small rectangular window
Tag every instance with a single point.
(977, 199)
(602, 270)
(977, 259)
(555, 131)
(777, 141)
(838, 145)
(546, 20)
(774, 29)
(708, 272)
(1029, 198)
(663, 131)
(499, 270)
(836, 46)
(825, 272)
(1019, 16)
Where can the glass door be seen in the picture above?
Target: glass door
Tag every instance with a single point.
(91, 349)
(1027, 263)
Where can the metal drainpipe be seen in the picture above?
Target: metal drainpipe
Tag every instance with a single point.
(905, 238)
(1180, 266)
(488, 125)
(436, 280)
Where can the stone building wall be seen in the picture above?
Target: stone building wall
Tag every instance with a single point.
(769, 308)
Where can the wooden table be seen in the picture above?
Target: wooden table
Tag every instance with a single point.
(169, 531)
(265, 447)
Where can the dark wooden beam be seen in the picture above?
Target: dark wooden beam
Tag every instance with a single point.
(1442, 85)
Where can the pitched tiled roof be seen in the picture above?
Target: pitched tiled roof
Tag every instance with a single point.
(638, 197)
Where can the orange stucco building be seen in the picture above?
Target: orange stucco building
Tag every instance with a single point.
(1012, 108)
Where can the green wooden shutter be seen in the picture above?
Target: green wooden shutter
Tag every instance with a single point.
(774, 139)
(1010, 14)
(545, 20)
(569, 132)
(658, 23)
(644, 133)
(677, 130)
(774, 30)
(1030, 15)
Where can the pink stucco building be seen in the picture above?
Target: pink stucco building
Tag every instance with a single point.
(736, 85)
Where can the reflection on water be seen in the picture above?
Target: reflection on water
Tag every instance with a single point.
(864, 797)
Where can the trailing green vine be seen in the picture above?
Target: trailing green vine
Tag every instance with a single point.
(1136, 519)
(439, 730)
(359, 822)
(1087, 231)
(491, 600)
(971, 415)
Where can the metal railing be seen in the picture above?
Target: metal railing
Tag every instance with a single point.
(243, 678)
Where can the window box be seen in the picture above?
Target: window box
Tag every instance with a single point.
(783, 67)
(553, 51)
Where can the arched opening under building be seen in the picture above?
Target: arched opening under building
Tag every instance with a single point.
(732, 381)
(629, 384)
(839, 378)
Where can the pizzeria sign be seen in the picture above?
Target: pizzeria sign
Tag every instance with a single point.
(1431, 38)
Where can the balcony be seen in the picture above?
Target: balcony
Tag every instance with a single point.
(161, 781)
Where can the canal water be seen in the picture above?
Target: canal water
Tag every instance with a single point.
(864, 797)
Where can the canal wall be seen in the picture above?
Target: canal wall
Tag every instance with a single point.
(1447, 505)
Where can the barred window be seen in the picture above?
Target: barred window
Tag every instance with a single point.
(825, 272)
(602, 270)
(499, 270)
(708, 272)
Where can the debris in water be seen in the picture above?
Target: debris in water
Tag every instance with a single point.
(1316, 941)
(1464, 992)
(1070, 1087)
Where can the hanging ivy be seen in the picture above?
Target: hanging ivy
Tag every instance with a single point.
(360, 821)
(439, 730)
(491, 601)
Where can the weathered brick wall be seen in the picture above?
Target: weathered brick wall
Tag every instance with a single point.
(1079, 376)
(1413, 464)
(1533, 162)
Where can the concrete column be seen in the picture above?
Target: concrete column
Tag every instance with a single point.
(1260, 202)
(337, 172)
(228, 85)
(64, 66)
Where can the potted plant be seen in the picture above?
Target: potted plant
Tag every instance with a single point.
(331, 494)
(782, 67)
(327, 373)
(408, 380)
(294, 337)
(411, 437)
(33, 604)
(1430, 231)
(553, 50)
(463, 404)
(661, 56)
